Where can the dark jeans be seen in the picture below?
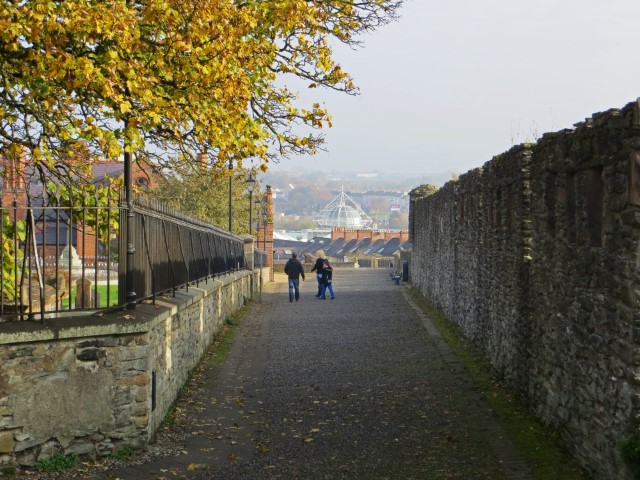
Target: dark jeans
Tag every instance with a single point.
(294, 288)
(319, 278)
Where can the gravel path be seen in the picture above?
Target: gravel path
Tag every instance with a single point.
(360, 387)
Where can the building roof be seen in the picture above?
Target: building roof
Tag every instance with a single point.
(342, 211)
(340, 247)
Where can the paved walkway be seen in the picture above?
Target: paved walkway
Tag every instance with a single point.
(360, 387)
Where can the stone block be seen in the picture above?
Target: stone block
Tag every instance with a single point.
(65, 440)
(141, 421)
(6, 442)
(140, 380)
(141, 395)
(91, 354)
(132, 353)
(27, 444)
(80, 448)
(108, 342)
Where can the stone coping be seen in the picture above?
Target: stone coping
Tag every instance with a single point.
(140, 320)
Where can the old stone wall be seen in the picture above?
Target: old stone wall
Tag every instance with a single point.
(94, 385)
(536, 256)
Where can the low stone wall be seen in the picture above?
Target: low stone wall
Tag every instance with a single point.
(96, 384)
(536, 257)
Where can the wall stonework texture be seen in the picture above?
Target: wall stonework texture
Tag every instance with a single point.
(94, 385)
(536, 256)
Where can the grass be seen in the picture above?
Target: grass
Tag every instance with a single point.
(540, 445)
(122, 455)
(215, 355)
(223, 341)
(57, 463)
(102, 292)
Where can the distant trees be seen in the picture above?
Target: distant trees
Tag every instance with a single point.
(293, 222)
(306, 199)
(399, 221)
(204, 194)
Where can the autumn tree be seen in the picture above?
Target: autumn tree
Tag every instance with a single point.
(168, 79)
(399, 221)
(204, 194)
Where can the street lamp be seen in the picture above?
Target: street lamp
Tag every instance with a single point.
(251, 185)
(259, 221)
(259, 224)
(230, 191)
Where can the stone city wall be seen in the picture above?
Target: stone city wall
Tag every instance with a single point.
(93, 385)
(536, 256)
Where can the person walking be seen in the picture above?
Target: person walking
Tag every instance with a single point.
(294, 270)
(317, 267)
(327, 277)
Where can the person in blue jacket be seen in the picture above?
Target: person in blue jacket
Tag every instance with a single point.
(327, 280)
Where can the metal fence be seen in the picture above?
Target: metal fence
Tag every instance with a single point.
(62, 256)
(173, 250)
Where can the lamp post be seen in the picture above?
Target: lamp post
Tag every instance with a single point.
(230, 191)
(251, 184)
(130, 295)
(259, 223)
(264, 235)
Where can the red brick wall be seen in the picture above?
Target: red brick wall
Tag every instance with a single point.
(361, 234)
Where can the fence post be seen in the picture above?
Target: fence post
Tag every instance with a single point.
(249, 259)
(128, 193)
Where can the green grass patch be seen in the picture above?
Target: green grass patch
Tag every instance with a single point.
(169, 419)
(123, 454)
(541, 446)
(57, 463)
(102, 290)
(223, 341)
(215, 355)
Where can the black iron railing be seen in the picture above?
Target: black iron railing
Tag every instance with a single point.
(173, 250)
(67, 252)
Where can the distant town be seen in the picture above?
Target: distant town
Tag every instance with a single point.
(300, 197)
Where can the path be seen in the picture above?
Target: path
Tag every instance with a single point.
(360, 387)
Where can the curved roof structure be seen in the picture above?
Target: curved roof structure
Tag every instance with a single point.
(342, 212)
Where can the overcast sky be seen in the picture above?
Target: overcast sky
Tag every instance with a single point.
(455, 82)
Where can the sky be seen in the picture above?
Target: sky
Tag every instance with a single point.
(454, 83)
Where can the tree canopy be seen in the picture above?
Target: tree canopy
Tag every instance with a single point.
(168, 79)
(204, 193)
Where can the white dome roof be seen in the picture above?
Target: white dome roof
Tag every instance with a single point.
(340, 214)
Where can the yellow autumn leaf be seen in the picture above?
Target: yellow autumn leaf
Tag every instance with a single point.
(125, 107)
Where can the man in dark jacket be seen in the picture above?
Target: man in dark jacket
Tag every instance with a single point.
(294, 269)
